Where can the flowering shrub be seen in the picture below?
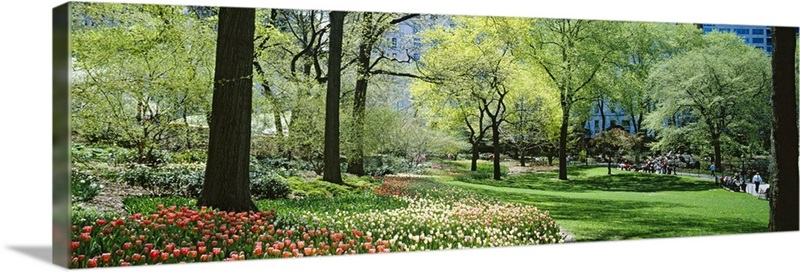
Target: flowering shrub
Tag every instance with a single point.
(83, 185)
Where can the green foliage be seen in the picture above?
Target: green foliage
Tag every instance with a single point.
(173, 180)
(189, 156)
(81, 215)
(268, 185)
(717, 91)
(80, 153)
(84, 186)
(317, 188)
(149, 205)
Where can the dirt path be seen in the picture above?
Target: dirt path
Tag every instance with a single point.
(111, 195)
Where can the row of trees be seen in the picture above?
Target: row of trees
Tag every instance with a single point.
(536, 80)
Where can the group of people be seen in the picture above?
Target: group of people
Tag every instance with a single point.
(738, 182)
(664, 164)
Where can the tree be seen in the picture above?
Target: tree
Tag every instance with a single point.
(227, 176)
(332, 172)
(611, 142)
(710, 94)
(783, 212)
(136, 84)
(476, 67)
(372, 27)
(572, 52)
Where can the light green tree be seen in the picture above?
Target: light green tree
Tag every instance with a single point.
(706, 96)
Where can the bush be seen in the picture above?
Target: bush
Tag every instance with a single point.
(83, 185)
(316, 188)
(268, 185)
(386, 165)
(81, 216)
(173, 180)
(190, 156)
(110, 154)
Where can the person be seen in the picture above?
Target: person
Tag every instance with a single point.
(757, 181)
(569, 159)
(713, 170)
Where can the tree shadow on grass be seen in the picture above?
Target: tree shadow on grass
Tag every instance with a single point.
(604, 220)
(581, 182)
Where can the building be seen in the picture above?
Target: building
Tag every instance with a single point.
(757, 36)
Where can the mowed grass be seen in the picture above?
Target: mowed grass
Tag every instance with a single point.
(626, 205)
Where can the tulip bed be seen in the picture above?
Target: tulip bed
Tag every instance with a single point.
(409, 215)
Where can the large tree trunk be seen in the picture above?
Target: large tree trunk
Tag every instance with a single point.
(496, 148)
(562, 145)
(474, 166)
(332, 172)
(522, 158)
(227, 175)
(783, 212)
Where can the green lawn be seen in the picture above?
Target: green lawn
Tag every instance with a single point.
(626, 205)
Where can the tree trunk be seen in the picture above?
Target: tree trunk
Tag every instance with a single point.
(783, 212)
(717, 153)
(474, 165)
(227, 175)
(355, 163)
(562, 145)
(332, 172)
(496, 148)
(522, 159)
(608, 160)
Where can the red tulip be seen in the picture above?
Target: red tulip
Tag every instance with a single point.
(120, 252)
(86, 237)
(127, 245)
(136, 257)
(87, 229)
(201, 250)
(75, 245)
(154, 254)
(106, 257)
(91, 263)
(192, 254)
(101, 222)
(164, 256)
(216, 251)
(169, 247)
(176, 253)
(203, 258)
(184, 250)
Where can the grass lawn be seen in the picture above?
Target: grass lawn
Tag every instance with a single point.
(626, 205)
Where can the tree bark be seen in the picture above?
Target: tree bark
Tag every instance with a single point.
(496, 148)
(783, 212)
(332, 172)
(227, 175)
(474, 166)
(717, 153)
(355, 164)
(562, 145)
(522, 159)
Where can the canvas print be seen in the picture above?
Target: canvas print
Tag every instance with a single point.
(204, 134)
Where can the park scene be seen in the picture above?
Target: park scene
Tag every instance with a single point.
(204, 134)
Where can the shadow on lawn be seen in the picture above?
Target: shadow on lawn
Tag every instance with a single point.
(606, 220)
(580, 181)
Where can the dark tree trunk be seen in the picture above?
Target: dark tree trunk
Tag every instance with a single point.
(562, 145)
(227, 175)
(783, 212)
(608, 160)
(474, 166)
(332, 172)
(522, 159)
(496, 148)
(717, 153)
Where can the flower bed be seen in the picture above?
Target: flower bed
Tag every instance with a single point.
(430, 217)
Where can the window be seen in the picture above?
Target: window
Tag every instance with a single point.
(760, 47)
(742, 31)
(769, 49)
(746, 40)
(769, 41)
(394, 42)
(758, 31)
(758, 40)
(626, 123)
(416, 42)
(415, 29)
(613, 123)
(596, 124)
(724, 30)
(769, 32)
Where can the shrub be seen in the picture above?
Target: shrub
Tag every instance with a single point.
(83, 185)
(190, 156)
(268, 185)
(316, 188)
(173, 180)
(149, 205)
(81, 215)
(386, 165)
